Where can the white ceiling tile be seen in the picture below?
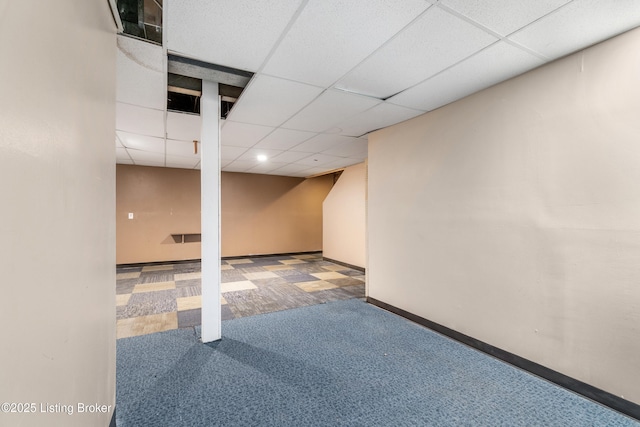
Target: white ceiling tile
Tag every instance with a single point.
(248, 164)
(277, 173)
(230, 168)
(141, 142)
(181, 162)
(183, 149)
(283, 139)
(345, 162)
(355, 147)
(242, 134)
(321, 143)
(356, 160)
(266, 167)
(140, 75)
(306, 174)
(253, 153)
(126, 161)
(432, 43)
(332, 36)
(316, 171)
(503, 16)
(270, 101)
(497, 63)
(378, 117)
(318, 160)
(240, 166)
(139, 156)
(183, 126)
(231, 153)
(235, 33)
(579, 25)
(299, 174)
(121, 154)
(328, 109)
(140, 120)
(290, 156)
(291, 168)
(326, 40)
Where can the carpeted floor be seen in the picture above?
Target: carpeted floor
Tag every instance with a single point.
(161, 297)
(343, 363)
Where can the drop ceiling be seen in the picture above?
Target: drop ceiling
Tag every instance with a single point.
(327, 72)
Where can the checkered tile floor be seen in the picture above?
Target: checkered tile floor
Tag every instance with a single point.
(157, 298)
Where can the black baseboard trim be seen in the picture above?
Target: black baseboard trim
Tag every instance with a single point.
(144, 264)
(603, 397)
(270, 255)
(354, 267)
(113, 418)
(224, 258)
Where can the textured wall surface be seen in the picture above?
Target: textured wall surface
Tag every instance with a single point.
(163, 201)
(344, 218)
(261, 214)
(57, 168)
(513, 216)
(268, 214)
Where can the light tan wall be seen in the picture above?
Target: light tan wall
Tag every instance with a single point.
(344, 220)
(57, 157)
(513, 216)
(164, 201)
(261, 214)
(268, 214)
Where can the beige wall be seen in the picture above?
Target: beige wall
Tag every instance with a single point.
(344, 220)
(164, 201)
(268, 214)
(513, 216)
(261, 214)
(57, 157)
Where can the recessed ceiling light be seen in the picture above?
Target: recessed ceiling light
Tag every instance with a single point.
(262, 158)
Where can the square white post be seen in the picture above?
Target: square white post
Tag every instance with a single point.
(210, 211)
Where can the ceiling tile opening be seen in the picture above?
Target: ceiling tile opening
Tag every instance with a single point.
(142, 19)
(184, 93)
(185, 84)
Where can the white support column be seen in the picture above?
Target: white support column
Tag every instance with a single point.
(210, 211)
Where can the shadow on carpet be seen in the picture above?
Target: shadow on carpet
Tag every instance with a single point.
(344, 363)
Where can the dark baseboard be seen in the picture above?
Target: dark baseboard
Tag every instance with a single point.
(270, 255)
(188, 261)
(612, 401)
(113, 418)
(354, 267)
(144, 264)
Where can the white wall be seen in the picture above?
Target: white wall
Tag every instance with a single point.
(57, 186)
(513, 216)
(344, 219)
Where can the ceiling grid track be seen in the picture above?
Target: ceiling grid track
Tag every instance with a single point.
(327, 73)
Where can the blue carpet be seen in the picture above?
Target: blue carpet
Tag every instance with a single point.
(343, 363)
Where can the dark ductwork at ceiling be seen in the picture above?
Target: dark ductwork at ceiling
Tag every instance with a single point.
(183, 94)
(142, 19)
(184, 84)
